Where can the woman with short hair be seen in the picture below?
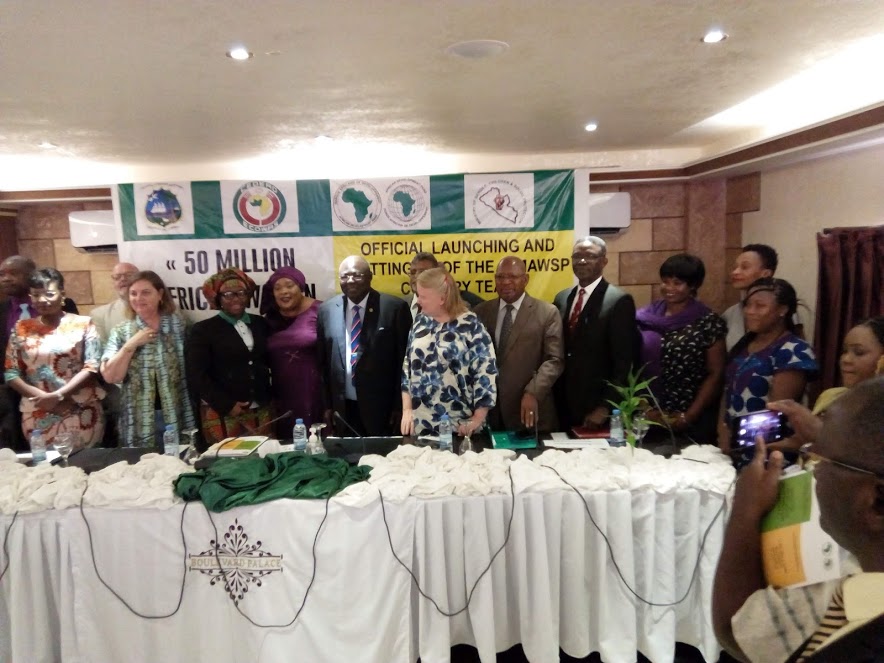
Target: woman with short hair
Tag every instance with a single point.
(683, 350)
(52, 360)
(450, 366)
(145, 355)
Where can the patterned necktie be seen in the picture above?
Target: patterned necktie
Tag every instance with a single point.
(505, 327)
(355, 345)
(575, 313)
(25, 312)
(833, 620)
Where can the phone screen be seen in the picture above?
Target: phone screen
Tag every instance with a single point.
(772, 426)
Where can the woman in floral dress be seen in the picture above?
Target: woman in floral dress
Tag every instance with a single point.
(450, 366)
(52, 361)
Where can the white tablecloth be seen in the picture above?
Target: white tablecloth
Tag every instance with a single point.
(554, 585)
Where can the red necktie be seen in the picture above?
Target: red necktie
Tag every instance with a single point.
(575, 313)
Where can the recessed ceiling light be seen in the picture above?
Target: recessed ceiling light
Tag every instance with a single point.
(322, 138)
(478, 49)
(592, 126)
(714, 36)
(46, 145)
(239, 53)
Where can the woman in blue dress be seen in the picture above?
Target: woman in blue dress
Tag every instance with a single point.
(770, 363)
(450, 366)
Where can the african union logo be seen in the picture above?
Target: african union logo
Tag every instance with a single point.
(259, 206)
(357, 204)
(500, 203)
(162, 208)
(235, 561)
(406, 203)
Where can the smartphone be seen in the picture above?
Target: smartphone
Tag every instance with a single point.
(772, 426)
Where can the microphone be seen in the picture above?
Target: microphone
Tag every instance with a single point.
(337, 416)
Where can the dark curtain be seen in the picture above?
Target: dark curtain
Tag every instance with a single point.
(849, 290)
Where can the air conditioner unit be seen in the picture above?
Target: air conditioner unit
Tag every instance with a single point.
(93, 231)
(609, 213)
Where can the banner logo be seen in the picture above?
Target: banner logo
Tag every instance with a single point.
(259, 206)
(407, 203)
(235, 561)
(502, 201)
(162, 208)
(357, 204)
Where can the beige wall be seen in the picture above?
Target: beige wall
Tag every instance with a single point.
(801, 200)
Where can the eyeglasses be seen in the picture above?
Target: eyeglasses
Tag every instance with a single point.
(234, 294)
(508, 277)
(353, 276)
(810, 459)
(585, 258)
(123, 277)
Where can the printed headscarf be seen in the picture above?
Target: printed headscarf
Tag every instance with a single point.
(268, 302)
(213, 284)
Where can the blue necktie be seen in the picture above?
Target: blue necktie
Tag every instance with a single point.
(355, 346)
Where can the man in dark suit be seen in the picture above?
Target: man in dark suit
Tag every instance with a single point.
(362, 336)
(527, 337)
(829, 622)
(601, 339)
(15, 271)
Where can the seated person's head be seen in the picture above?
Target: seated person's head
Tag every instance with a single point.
(852, 498)
(862, 356)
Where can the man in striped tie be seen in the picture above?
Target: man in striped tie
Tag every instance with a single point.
(362, 335)
(840, 621)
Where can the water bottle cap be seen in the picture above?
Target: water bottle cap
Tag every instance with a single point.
(445, 417)
(299, 421)
(615, 412)
(170, 427)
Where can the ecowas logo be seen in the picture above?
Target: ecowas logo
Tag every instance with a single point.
(162, 208)
(259, 206)
(357, 204)
(235, 561)
(406, 203)
(500, 203)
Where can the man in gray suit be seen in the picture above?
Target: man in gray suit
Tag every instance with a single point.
(527, 337)
(361, 341)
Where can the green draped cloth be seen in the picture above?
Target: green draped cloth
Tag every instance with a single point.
(231, 482)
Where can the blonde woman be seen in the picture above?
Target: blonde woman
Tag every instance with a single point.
(450, 366)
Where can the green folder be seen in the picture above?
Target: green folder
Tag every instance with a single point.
(508, 440)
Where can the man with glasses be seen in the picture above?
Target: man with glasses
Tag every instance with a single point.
(527, 336)
(361, 340)
(839, 621)
(601, 339)
(107, 316)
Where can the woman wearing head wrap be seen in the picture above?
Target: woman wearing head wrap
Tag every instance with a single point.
(291, 317)
(227, 367)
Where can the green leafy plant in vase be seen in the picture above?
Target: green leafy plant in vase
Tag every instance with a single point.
(635, 401)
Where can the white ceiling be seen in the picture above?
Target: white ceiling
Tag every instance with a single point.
(130, 88)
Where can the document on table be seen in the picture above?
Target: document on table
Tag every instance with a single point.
(562, 441)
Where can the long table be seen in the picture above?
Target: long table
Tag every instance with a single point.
(555, 584)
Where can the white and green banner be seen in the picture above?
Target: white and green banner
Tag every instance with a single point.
(186, 231)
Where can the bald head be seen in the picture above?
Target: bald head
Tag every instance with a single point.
(355, 278)
(510, 279)
(853, 427)
(122, 275)
(14, 274)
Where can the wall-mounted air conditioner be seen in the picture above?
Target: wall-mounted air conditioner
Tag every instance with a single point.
(609, 213)
(93, 231)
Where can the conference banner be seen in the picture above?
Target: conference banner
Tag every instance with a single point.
(186, 231)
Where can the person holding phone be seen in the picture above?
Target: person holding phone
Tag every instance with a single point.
(770, 362)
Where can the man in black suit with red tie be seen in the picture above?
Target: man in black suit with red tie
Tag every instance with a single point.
(601, 339)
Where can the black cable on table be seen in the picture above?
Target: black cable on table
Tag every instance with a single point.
(481, 575)
(6, 545)
(617, 566)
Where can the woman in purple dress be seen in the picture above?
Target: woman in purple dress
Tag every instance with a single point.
(291, 319)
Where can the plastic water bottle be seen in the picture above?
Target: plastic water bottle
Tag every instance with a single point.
(38, 447)
(616, 434)
(299, 436)
(445, 433)
(170, 441)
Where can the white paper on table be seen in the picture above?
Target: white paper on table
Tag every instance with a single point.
(562, 441)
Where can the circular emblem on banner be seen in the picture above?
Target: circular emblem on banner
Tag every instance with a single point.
(357, 204)
(162, 208)
(406, 203)
(259, 206)
(500, 203)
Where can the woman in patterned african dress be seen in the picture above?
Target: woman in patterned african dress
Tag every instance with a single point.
(52, 361)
